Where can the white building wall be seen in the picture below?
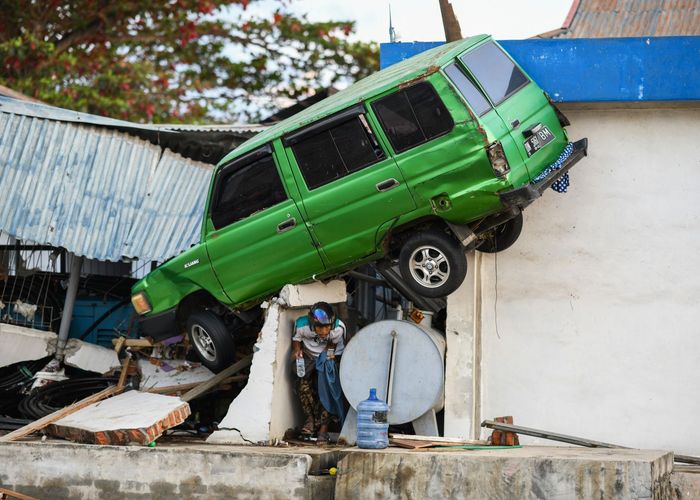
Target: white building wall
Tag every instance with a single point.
(590, 323)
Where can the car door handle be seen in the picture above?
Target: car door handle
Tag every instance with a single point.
(387, 185)
(286, 225)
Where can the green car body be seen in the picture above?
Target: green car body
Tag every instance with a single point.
(448, 179)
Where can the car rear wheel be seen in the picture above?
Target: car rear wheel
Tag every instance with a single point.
(502, 236)
(432, 263)
(212, 341)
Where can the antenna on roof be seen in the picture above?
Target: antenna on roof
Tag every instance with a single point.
(392, 31)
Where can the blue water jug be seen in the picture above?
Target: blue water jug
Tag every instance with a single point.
(372, 425)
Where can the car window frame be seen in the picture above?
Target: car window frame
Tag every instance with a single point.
(481, 86)
(236, 165)
(381, 123)
(457, 63)
(357, 112)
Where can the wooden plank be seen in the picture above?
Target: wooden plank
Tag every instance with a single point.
(132, 342)
(125, 369)
(58, 414)
(410, 444)
(118, 344)
(217, 379)
(437, 440)
(13, 494)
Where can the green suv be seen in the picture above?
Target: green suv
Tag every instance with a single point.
(415, 163)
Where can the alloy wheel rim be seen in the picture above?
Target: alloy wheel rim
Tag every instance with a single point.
(204, 343)
(429, 266)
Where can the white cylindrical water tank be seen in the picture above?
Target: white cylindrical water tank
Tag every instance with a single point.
(417, 371)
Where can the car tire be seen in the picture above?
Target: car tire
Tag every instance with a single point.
(211, 339)
(502, 236)
(432, 263)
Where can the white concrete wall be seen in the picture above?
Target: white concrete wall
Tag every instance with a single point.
(591, 324)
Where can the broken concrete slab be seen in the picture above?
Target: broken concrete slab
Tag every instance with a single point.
(173, 372)
(529, 472)
(132, 417)
(90, 357)
(24, 344)
(265, 408)
(307, 295)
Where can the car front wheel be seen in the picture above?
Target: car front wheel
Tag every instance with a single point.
(432, 263)
(211, 339)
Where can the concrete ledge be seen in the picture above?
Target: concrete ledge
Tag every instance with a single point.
(531, 472)
(67, 470)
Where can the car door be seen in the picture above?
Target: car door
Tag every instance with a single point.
(522, 105)
(260, 241)
(349, 186)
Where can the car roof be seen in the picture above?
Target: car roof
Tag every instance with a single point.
(413, 68)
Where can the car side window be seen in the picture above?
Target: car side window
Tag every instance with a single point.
(468, 89)
(498, 75)
(336, 152)
(413, 116)
(244, 190)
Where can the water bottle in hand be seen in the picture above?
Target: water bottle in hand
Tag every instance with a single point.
(301, 369)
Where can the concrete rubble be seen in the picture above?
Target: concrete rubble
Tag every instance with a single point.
(170, 373)
(24, 344)
(90, 357)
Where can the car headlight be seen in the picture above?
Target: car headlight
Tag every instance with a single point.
(140, 303)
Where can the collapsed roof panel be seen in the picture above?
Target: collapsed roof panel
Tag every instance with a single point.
(206, 143)
(96, 191)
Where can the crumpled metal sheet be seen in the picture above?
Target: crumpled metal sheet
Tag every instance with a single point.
(98, 193)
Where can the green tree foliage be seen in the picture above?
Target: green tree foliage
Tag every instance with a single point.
(172, 60)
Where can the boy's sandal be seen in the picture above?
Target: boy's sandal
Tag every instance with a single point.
(322, 438)
(308, 427)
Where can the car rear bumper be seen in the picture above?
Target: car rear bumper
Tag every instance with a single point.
(523, 196)
(159, 326)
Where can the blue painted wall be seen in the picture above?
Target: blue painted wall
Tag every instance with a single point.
(597, 69)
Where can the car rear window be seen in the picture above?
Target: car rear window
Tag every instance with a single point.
(336, 152)
(498, 75)
(479, 104)
(246, 190)
(413, 116)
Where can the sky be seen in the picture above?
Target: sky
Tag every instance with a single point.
(419, 20)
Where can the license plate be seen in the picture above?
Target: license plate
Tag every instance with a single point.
(541, 136)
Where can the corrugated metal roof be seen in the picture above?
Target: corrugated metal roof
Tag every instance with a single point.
(630, 18)
(97, 192)
(208, 143)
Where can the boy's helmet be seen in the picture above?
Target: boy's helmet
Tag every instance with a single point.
(321, 314)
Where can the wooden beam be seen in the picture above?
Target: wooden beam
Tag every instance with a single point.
(13, 494)
(132, 342)
(58, 414)
(125, 370)
(217, 379)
